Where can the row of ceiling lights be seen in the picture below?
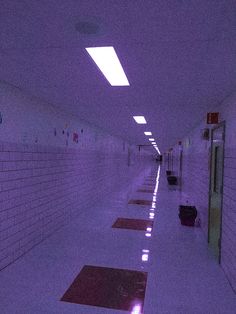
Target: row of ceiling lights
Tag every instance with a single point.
(109, 64)
(142, 120)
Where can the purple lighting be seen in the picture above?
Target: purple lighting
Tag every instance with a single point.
(107, 61)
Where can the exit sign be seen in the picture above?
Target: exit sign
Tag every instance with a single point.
(212, 117)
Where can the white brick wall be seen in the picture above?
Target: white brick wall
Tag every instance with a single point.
(196, 175)
(42, 188)
(45, 177)
(229, 217)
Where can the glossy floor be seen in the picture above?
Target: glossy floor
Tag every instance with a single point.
(179, 275)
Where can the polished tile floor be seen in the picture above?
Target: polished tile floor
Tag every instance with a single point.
(88, 267)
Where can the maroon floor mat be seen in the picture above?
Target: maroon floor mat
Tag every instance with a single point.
(108, 287)
(134, 224)
(140, 202)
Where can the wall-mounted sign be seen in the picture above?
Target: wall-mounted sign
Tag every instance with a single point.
(212, 117)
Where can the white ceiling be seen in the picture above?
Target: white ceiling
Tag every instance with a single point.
(179, 56)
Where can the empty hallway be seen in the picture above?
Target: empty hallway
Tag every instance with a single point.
(118, 156)
(180, 270)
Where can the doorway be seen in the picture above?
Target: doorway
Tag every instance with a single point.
(216, 189)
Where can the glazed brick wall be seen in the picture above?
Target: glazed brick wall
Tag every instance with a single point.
(42, 188)
(195, 175)
(228, 244)
(195, 183)
(195, 187)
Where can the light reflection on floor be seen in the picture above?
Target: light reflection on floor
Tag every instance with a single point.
(183, 276)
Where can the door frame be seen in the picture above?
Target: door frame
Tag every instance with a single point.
(221, 124)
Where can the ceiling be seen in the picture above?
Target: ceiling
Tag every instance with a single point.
(179, 57)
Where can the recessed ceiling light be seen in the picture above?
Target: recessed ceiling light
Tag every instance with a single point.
(148, 133)
(108, 62)
(151, 139)
(140, 119)
(153, 143)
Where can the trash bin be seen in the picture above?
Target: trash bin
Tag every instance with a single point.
(172, 180)
(187, 215)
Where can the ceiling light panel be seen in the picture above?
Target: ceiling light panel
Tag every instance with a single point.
(108, 62)
(148, 133)
(140, 119)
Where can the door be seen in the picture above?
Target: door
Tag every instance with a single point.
(216, 189)
(180, 167)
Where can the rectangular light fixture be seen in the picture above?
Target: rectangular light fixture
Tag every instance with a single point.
(148, 133)
(140, 119)
(108, 62)
(151, 139)
(153, 143)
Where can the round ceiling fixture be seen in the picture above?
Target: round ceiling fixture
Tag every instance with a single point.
(87, 28)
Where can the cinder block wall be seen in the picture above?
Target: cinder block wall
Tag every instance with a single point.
(196, 176)
(196, 173)
(47, 179)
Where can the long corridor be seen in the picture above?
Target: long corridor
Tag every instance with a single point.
(128, 254)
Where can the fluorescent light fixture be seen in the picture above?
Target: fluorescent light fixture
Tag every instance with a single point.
(107, 61)
(151, 139)
(148, 133)
(140, 119)
(154, 143)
